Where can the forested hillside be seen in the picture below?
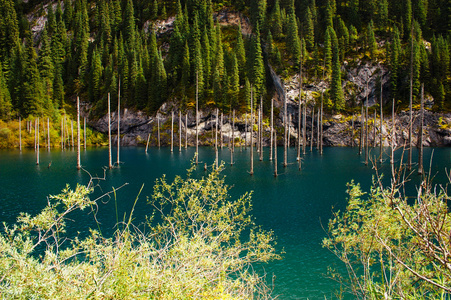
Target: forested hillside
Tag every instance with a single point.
(154, 51)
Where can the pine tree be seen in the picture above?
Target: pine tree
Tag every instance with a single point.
(9, 28)
(51, 20)
(45, 64)
(276, 20)
(206, 58)
(95, 77)
(234, 82)
(68, 13)
(186, 67)
(382, 14)
(58, 88)
(371, 39)
(336, 91)
(328, 50)
(5, 97)
(129, 26)
(240, 53)
(293, 41)
(258, 12)
(329, 14)
(309, 30)
(407, 17)
(256, 66)
(395, 52)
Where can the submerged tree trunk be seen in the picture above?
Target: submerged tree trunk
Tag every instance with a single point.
(197, 118)
(148, 139)
(381, 140)
(317, 129)
(261, 128)
(62, 134)
(312, 133)
(186, 131)
(393, 135)
(271, 130)
(252, 132)
(366, 133)
(321, 127)
(285, 121)
(245, 132)
(299, 112)
(275, 153)
(409, 163)
(37, 141)
(48, 134)
(216, 137)
(232, 146)
(289, 132)
(180, 131)
(78, 134)
(352, 130)
(374, 129)
(72, 133)
(172, 131)
(118, 122)
(420, 133)
(221, 137)
(158, 130)
(84, 133)
(20, 135)
(110, 160)
(362, 124)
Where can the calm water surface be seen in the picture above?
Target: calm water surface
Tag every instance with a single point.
(295, 205)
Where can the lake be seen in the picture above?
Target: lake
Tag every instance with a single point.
(295, 205)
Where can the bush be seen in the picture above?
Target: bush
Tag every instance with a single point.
(202, 246)
(394, 248)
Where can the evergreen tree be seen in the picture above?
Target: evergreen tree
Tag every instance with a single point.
(45, 64)
(343, 37)
(234, 82)
(293, 42)
(81, 42)
(32, 96)
(309, 30)
(336, 91)
(5, 97)
(329, 14)
(206, 58)
(382, 14)
(371, 40)
(256, 66)
(258, 12)
(240, 53)
(95, 77)
(407, 17)
(68, 13)
(395, 53)
(186, 67)
(51, 20)
(9, 28)
(116, 21)
(328, 51)
(276, 20)
(58, 88)
(129, 25)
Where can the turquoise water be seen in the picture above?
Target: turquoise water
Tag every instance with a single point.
(295, 205)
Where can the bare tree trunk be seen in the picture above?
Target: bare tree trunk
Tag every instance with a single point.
(409, 163)
(20, 135)
(285, 136)
(110, 160)
(271, 129)
(393, 135)
(84, 133)
(304, 127)
(374, 129)
(420, 133)
(197, 118)
(289, 132)
(252, 132)
(275, 153)
(321, 126)
(352, 130)
(78, 134)
(299, 112)
(148, 139)
(48, 133)
(366, 134)
(37, 141)
(221, 137)
(180, 131)
(158, 129)
(216, 137)
(258, 129)
(72, 133)
(172, 131)
(186, 130)
(118, 121)
(245, 132)
(35, 136)
(362, 124)
(62, 134)
(317, 129)
(381, 141)
(311, 140)
(232, 146)
(261, 128)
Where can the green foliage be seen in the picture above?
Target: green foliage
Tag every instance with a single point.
(203, 246)
(393, 248)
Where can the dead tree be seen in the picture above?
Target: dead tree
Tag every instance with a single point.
(252, 132)
(158, 130)
(366, 133)
(285, 121)
(78, 134)
(110, 160)
(37, 141)
(381, 141)
(393, 134)
(20, 135)
(420, 133)
(197, 118)
(275, 153)
(362, 114)
(409, 163)
(118, 121)
(172, 131)
(271, 130)
(84, 133)
(180, 131)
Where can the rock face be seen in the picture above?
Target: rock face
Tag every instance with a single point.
(338, 131)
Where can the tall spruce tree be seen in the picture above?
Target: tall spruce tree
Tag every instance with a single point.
(336, 91)
(309, 30)
(395, 60)
(292, 40)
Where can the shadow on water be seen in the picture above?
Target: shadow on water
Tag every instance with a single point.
(295, 205)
